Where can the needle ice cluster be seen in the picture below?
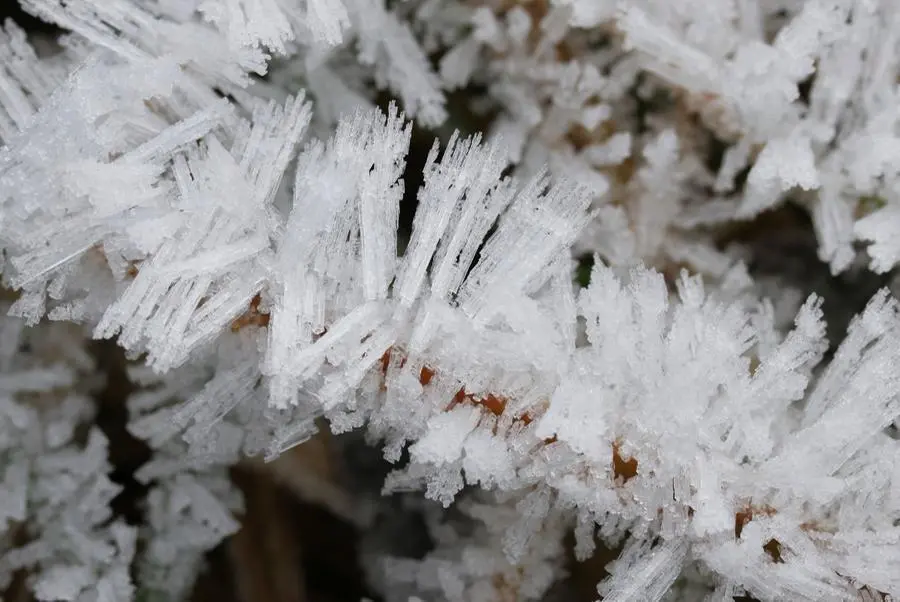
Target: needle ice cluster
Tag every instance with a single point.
(54, 501)
(210, 183)
(58, 529)
(687, 429)
(799, 94)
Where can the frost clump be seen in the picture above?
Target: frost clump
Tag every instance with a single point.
(572, 334)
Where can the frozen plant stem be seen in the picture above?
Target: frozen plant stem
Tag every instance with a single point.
(238, 237)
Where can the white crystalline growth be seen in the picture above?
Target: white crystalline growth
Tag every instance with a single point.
(218, 239)
(249, 22)
(55, 518)
(145, 191)
(726, 453)
(387, 45)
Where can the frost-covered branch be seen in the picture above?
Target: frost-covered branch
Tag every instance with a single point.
(233, 222)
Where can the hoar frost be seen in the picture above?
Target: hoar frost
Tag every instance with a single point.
(213, 185)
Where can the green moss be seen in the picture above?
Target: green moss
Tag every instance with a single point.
(869, 204)
(583, 271)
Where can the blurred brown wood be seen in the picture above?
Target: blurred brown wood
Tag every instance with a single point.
(586, 574)
(265, 556)
(311, 472)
